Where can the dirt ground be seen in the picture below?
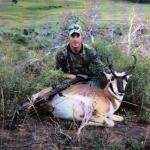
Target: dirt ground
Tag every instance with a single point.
(46, 133)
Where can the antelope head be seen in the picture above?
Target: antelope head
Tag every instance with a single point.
(118, 81)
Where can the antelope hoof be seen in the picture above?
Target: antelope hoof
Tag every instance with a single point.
(117, 118)
(109, 123)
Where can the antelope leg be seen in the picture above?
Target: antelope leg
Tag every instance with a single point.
(117, 118)
(102, 121)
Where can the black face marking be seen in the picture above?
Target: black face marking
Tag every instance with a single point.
(111, 87)
(120, 85)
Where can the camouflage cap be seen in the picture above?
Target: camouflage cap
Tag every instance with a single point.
(75, 28)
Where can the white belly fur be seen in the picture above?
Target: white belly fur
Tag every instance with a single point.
(72, 106)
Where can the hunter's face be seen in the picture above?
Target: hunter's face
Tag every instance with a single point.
(75, 40)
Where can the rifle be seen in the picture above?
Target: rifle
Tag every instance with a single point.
(40, 100)
(56, 90)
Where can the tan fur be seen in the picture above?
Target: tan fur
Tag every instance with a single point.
(101, 98)
(102, 101)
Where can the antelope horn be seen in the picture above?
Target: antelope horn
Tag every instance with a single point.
(131, 68)
(110, 66)
(113, 73)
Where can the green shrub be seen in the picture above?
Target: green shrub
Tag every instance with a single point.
(15, 83)
(120, 60)
(144, 117)
(11, 87)
(138, 89)
(132, 145)
(12, 54)
(141, 81)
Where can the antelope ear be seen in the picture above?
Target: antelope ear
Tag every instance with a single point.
(108, 75)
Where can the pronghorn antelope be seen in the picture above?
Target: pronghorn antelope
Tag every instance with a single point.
(83, 101)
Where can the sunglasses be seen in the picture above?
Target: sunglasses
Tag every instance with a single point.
(73, 35)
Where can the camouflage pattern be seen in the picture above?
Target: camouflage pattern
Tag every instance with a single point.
(86, 62)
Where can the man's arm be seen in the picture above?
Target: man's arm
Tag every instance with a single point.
(97, 66)
(61, 63)
(100, 66)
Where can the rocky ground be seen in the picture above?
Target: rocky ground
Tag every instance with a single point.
(46, 133)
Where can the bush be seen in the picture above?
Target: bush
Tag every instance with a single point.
(48, 76)
(15, 83)
(144, 117)
(138, 89)
(11, 86)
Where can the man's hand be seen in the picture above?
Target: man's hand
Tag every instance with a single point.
(70, 76)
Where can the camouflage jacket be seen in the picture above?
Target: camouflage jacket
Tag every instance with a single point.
(86, 62)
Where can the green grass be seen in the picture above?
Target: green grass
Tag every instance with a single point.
(119, 11)
(31, 12)
(36, 12)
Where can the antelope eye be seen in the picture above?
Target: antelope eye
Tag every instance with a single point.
(112, 79)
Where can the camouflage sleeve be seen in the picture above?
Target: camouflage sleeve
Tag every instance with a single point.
(97, 66)
(60, 61)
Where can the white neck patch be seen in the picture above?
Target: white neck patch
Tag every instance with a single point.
(120, 74)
